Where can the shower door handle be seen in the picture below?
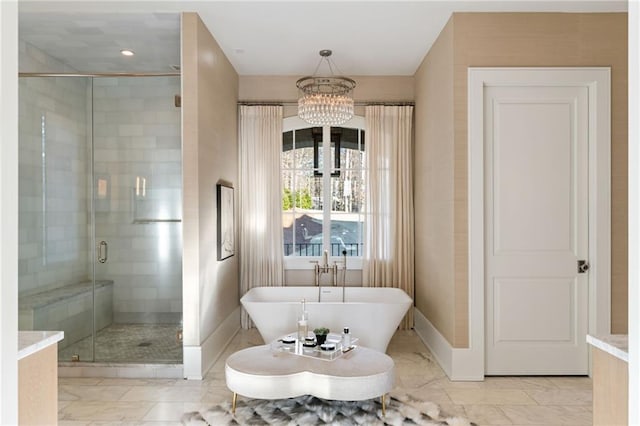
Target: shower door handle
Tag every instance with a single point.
(102, 258)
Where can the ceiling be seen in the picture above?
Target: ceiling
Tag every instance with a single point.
(259, 38)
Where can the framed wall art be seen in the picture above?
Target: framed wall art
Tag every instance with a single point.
(226, 229)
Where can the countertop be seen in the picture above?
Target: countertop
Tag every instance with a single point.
(613, 344)
(30, 342)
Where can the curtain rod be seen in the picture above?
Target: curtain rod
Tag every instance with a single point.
(295, 103)
(98, 74)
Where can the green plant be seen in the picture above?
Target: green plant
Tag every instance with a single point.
(303, 199)
(287, 199)
(321, 331)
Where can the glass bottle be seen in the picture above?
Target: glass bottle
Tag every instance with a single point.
(346, 338)
(303, 322)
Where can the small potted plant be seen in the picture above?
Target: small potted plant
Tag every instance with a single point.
(321, 335)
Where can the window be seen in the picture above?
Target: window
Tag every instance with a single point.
(322, 189)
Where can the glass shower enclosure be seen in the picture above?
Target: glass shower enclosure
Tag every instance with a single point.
(100, 254)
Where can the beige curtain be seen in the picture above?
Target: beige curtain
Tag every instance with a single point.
(388, 236)
(260, 221)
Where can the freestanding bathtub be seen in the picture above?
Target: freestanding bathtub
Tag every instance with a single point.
(371, 313)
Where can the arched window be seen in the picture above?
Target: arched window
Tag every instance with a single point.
(323, 188)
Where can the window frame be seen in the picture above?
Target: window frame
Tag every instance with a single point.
(307, 262)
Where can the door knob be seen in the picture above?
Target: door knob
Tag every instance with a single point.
(583, 266)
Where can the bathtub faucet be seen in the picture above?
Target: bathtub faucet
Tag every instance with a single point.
(325, 268)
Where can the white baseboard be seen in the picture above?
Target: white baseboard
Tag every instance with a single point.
(199, 359)
(459, 364)
(192, 362)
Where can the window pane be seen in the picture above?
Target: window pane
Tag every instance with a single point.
(346, 234)
(348, 139)
(287, 190)
(347, 192)
(308, 234)
(287, 150)
(304, 149)
(307, 201)
(308, 191)
(320, 158)
(287, 233)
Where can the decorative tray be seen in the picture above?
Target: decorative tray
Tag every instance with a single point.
(326, 353)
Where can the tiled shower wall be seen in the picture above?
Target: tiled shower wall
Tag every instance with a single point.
(53, 183)
(137, 164)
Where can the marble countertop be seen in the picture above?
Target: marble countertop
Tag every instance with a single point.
(614, 344)
(30, 342)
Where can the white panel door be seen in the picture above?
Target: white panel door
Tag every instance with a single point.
(536, 214)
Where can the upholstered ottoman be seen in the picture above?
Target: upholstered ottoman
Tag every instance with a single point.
(259, 372)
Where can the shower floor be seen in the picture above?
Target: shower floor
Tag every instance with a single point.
(130, 343)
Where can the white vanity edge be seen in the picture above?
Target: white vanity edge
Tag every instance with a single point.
(613, 344)
(30, 342)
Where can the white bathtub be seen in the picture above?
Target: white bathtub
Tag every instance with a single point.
(371, 313)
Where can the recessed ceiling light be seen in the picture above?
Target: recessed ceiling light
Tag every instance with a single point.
(127, 52)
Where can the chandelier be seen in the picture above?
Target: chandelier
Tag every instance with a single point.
(325, 100)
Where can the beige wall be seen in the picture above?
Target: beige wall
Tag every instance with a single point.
(526, 39)
(433, 174)
(210, 155)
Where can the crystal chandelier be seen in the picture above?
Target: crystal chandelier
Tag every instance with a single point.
(325, 100)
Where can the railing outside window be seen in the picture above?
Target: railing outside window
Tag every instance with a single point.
(312, 249)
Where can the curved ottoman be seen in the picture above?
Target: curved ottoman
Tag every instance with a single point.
(258, 372)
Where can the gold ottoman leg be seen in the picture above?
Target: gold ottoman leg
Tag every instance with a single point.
(384, 406)
(233, 403)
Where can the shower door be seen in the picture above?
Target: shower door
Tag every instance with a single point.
(137, 199)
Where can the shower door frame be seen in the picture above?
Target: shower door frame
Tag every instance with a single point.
(93, 250)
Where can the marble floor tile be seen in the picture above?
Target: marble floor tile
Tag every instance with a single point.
(163, 394)
(520, 382)
(413, 381)
(548, 415)
(119, 381)
(216, 395)
(437, 396)
(489, 396)
(562, 396)
(116, 411)
(91, 393)
(495, 401)
(79, 380)
(62, 404)
(572, 382)
(486, 415)
(171, 411)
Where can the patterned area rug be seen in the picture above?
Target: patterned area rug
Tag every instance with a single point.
(309, 410)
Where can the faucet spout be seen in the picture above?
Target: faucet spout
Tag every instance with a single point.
(325, 259)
